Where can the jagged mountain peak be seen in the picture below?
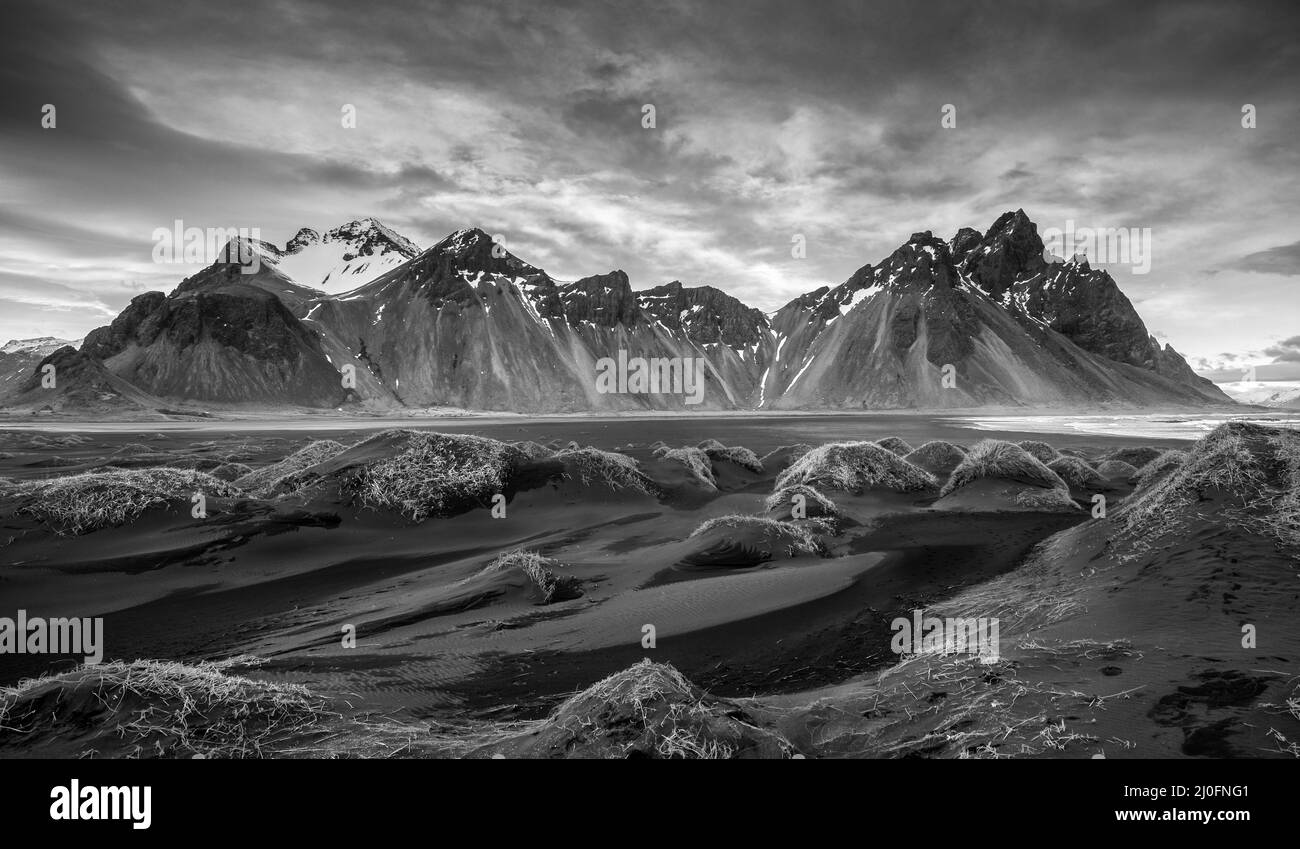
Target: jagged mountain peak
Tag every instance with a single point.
(966, 239)
(1013, 223)
(602, 299)
(368, 234)
(1010, 250)
(922, 261)
(473, 250)
(302, 239)
(706, 314)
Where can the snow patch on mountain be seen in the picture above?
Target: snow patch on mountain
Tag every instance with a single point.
(346, 257)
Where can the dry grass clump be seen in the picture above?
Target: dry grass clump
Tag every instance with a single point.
(652, 710)
(1285, 518)
(1045, 499)
(1135, 457)
(710, 445)
(166, 709)
(817, 504)
(996, 710)
(1253, 467)
(1076, 472)
(540, 571)
(1116, 470)
(799, 538)
(937, 454)
(264, 481)
(854, 467)
(895, 444)
(738, 454)
(993, 458)
(533, 450)
(617, 471)
(231, 472)
(694, 459)
(1167, 461)
(1041, 451)
(78, 504)
(437, 474)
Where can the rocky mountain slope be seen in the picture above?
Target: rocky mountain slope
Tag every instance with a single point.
(1005, 326)
(360, 316)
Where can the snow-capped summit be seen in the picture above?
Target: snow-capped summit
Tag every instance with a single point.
(346, 257)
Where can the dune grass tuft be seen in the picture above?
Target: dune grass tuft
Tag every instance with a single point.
(993, 458)
(1135, 457)
(78, 504)
(652, 710)
(1166, 462)
(937, 452)
(437, 474)
(896, 444)
(854, 467)
(694, 459)
(169, 709)
(265, 481)
(1075, 472)
(818, 504)
(800, 537)
(533, 450)
(616, 471)
(541, 571)
(1244, 473)
(1041, 451)
(738, 454)
(1116, 470)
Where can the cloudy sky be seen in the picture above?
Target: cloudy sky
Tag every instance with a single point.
(772, 119)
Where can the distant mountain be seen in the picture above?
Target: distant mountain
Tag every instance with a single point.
(20, 357)
(1283, 394)
(42, 345)
(981, 319)
(82, 384)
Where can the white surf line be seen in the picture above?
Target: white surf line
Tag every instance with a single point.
(1144, 426)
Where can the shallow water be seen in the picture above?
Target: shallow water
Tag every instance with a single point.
(1151, 426)
(760, 432)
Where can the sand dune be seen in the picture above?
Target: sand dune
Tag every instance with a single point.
(484, 582)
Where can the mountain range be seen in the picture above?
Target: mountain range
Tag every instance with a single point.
(981, 319)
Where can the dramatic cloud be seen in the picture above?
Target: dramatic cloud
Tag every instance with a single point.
(1284, 259)
(771, 120)
(1286, 351)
